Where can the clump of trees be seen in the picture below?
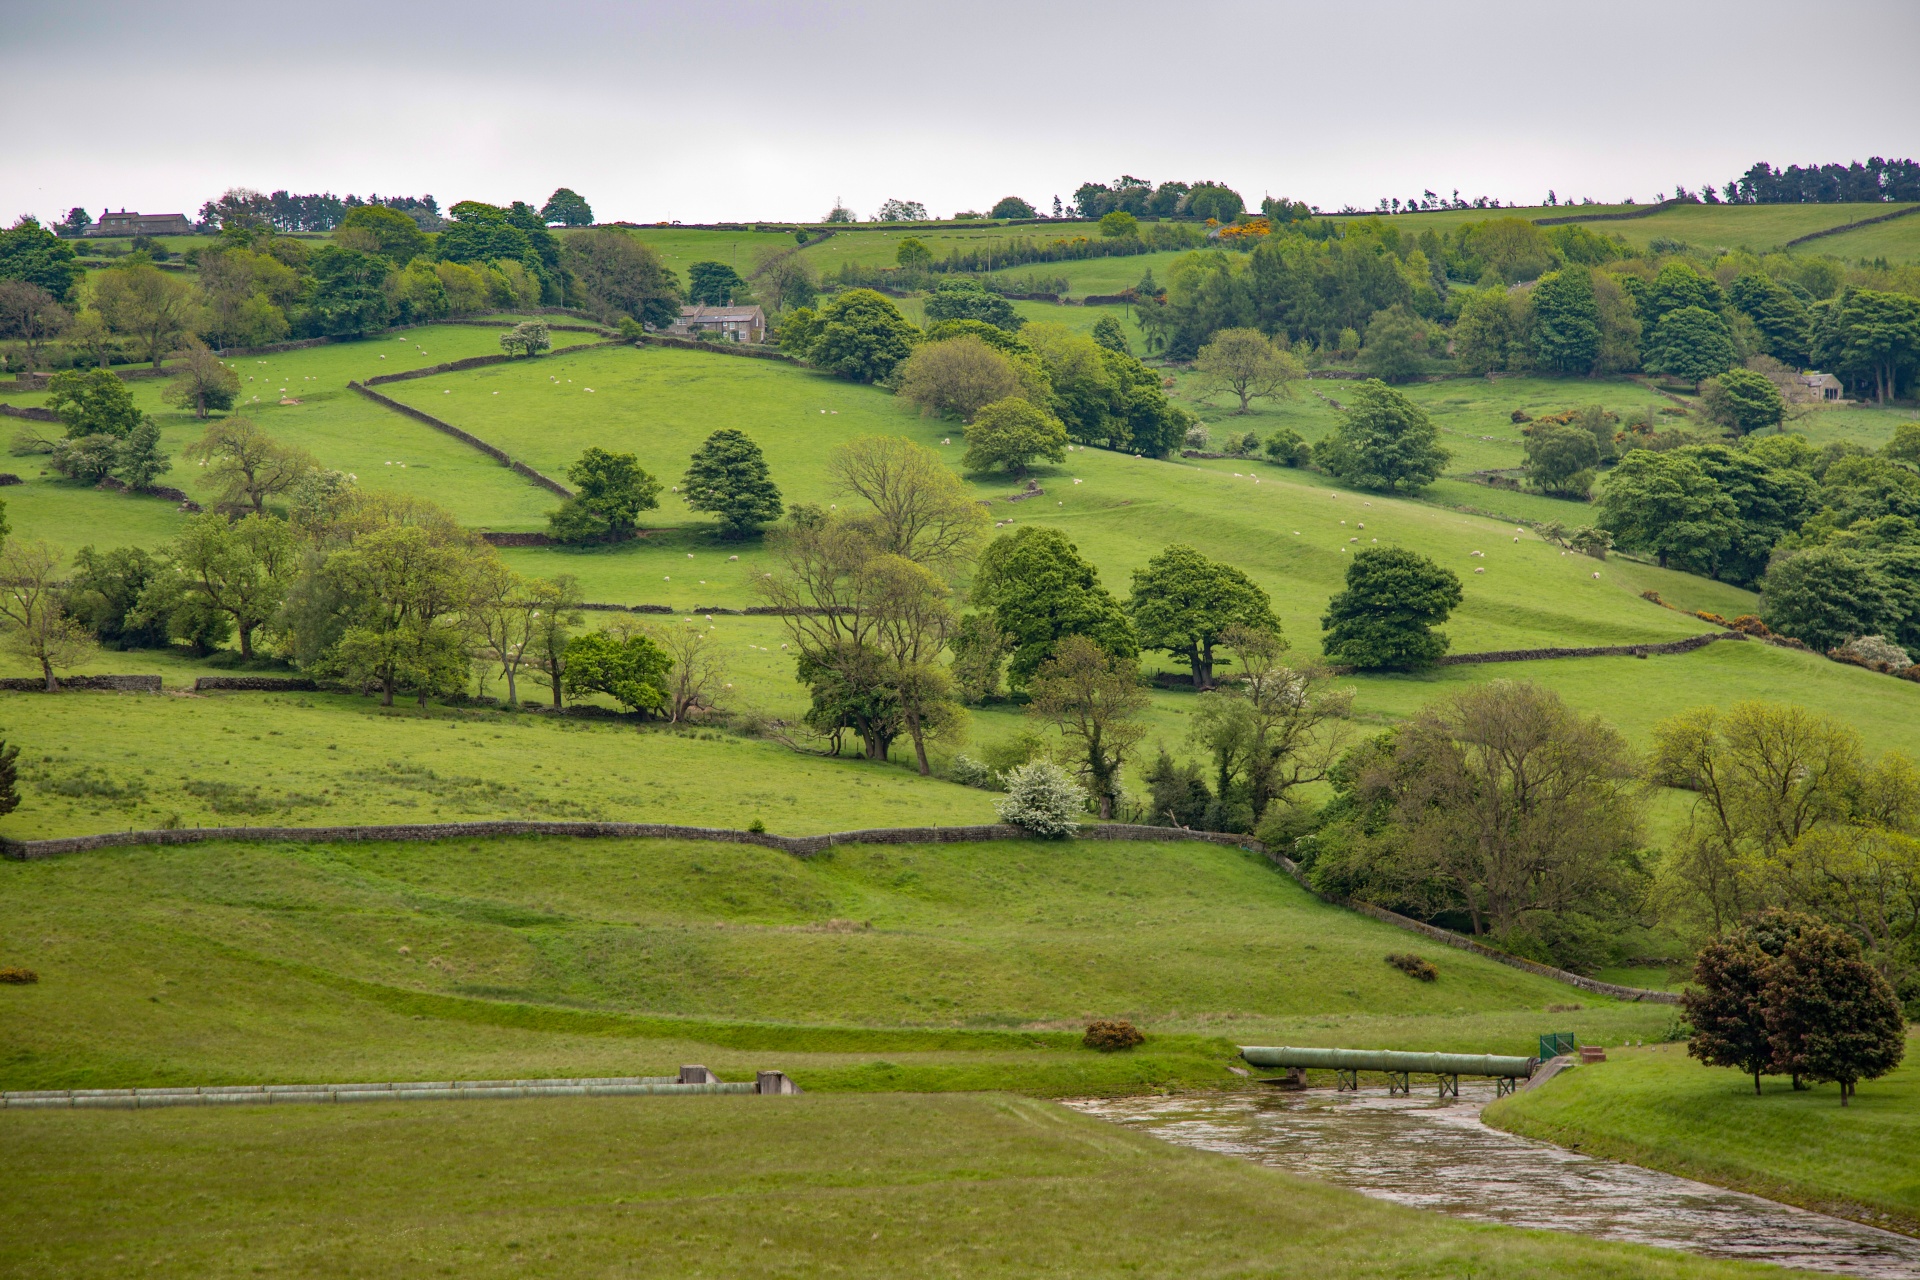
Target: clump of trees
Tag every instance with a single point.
(254, 285)
(610, 492)
(1785, 994)
(866, 596)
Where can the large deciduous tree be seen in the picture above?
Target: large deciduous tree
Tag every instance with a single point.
(619, 276)
(1246, 363)
(610, 492)
(246, 465)
(1384, 442)
(239, 569)
(957, 376)
(1669, 505)
(568, 208)
(1566, 321)
(1830, 1014)
(1691, 343)
(632, 670)
(151, 306)
(917, 508)
(1184, 604)
(1870, 338)
(1385, 619)
(31, 253)
(1525, 807)
(30, 316)
(1727, 1007)
(33, 610)
(859, 335)
(1039, 591)
(204, 382)
(1011, 435)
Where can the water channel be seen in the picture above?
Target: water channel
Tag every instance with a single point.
(1437, 1155)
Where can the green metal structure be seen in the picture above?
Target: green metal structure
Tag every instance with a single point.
(1347, 1064)
(1555, 1043)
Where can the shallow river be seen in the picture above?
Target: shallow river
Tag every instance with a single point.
(1437, 1155)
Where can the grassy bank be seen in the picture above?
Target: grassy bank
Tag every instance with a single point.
(952, 966)
(887, 1186)
(1659, 1108)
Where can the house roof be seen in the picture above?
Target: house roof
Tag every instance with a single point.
(722, 313)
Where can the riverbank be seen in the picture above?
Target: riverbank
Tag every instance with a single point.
(1658, 1108)
(885, 1185)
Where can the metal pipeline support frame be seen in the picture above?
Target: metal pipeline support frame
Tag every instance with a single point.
(1347, 1064)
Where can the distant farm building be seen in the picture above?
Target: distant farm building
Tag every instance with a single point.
(736, 324)
(1824, 385)
(141, 224)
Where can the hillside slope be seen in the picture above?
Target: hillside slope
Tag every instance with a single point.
(227, 962)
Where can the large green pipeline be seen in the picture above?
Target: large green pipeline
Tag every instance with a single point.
(1440, 1064)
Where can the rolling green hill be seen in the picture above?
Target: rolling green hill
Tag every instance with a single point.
(228, 962)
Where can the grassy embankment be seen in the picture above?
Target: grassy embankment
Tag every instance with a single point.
(872, 968)
(962, 1186)
(1659, 1108)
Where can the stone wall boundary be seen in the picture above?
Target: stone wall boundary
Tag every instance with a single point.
(30, 414)
(1626, 216)
(1852, 226)
(481, 362)
(722, 348)
(255, 684)
(497, 454)
(802, 847)
(1596, 651)
(96, 684)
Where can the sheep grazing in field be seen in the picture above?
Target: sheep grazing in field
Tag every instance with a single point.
(1479, 570)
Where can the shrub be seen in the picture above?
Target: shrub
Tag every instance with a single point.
(1289, 448)
(1413, 966)
(1874, 652)
(1042, 800)
(1112, 1037)
(969, 772)
(757, 826)
(22, 977)
(1748, 624)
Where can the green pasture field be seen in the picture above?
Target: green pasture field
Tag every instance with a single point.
(975, 1186)
(1657, 1107)
(660, 403)
(1100, 275)
(1761, 228)
(1896, 241)
(1767, 227)
(103, 762)
(870, 967)
(385, 450)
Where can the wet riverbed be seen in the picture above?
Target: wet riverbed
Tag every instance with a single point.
(1438, 1155)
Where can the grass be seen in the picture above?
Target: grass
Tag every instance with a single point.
(974, 1186)
(383, 449)
(315, 759)
(945, 967)
(1761, 228)
(1659, 1108)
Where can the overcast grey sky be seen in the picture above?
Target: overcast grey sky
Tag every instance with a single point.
(752, 109)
